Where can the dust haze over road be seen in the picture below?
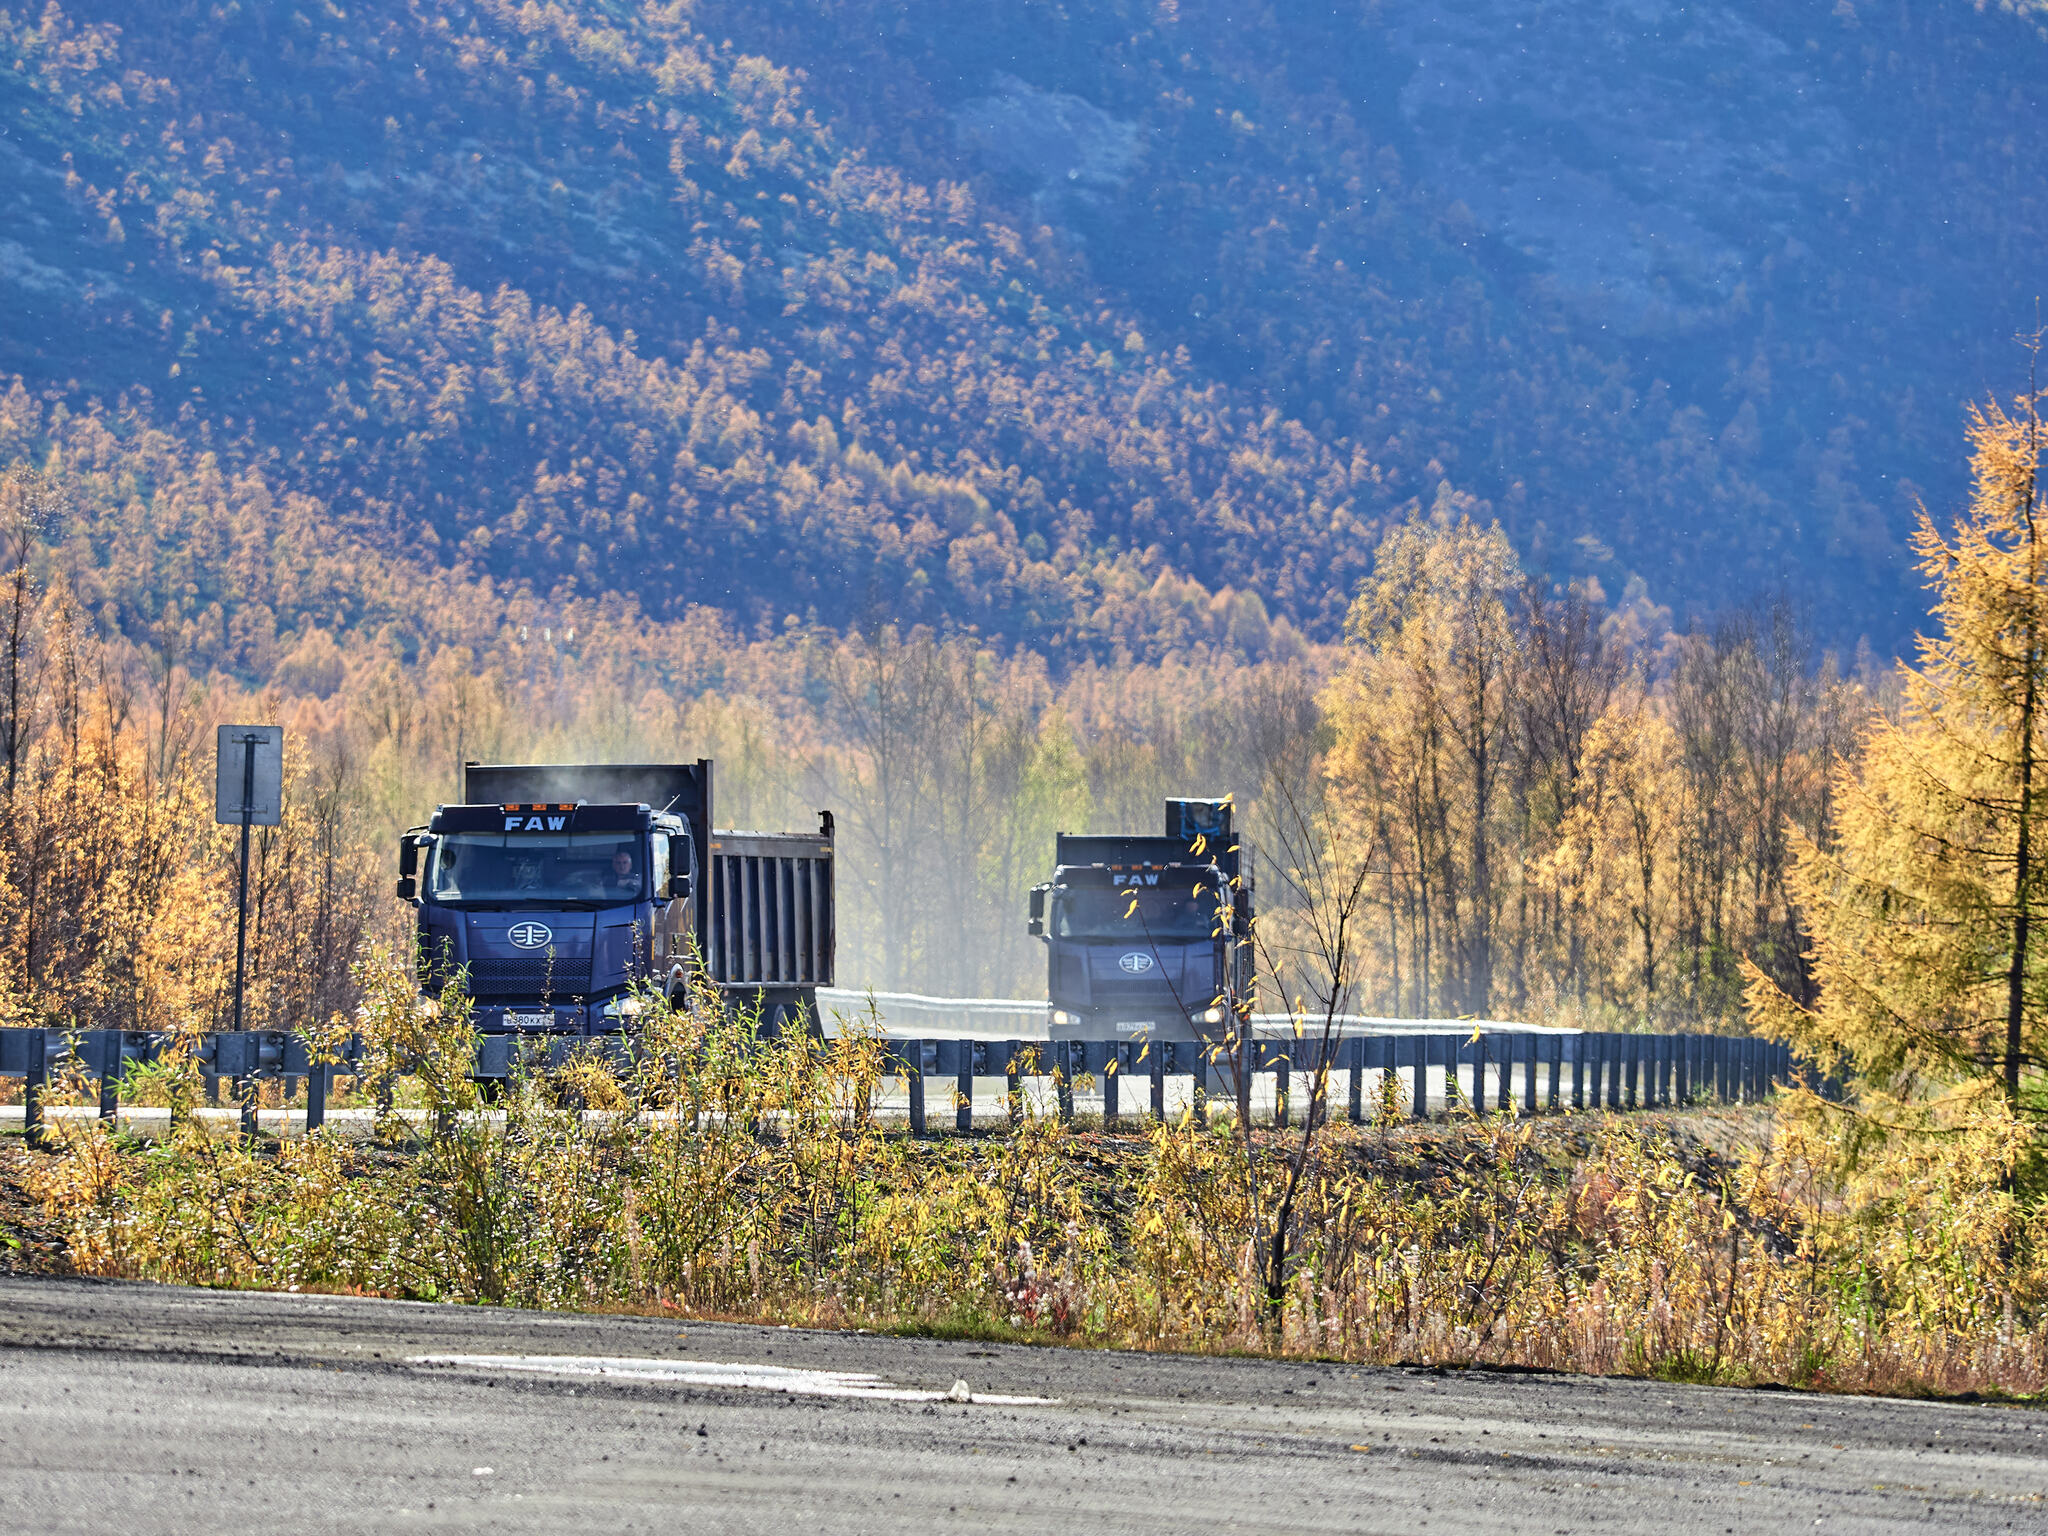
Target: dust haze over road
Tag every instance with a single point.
(143, 1409)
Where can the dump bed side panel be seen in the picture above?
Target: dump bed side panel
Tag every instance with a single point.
(767, 910)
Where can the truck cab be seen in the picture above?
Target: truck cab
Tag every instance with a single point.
(1149, 937)
(555, 912)
(564, 893)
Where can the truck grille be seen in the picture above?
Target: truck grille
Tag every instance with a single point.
(529, 977)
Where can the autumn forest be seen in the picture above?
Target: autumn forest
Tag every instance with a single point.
(980, 451)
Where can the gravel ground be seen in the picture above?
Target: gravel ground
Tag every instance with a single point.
(144, 1408)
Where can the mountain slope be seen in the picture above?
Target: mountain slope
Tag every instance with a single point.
(1117, 327)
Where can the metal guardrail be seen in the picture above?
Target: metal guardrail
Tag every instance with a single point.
(913, 1014)
(1617, 1071)
(1627, 1071)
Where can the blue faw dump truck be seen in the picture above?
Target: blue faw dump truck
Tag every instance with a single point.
(564, 891)
(1149, 937)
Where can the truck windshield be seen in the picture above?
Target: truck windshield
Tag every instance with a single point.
(1099, 912)
(537, 866)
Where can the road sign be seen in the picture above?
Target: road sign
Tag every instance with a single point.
(250, 776)
(248, 791)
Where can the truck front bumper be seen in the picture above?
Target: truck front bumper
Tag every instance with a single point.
(595, 1018)
(1135, 1021)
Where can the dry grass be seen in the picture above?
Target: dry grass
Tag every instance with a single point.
(735, 1178)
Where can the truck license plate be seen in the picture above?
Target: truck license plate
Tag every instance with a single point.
(529, 1020)
(1133, 1026)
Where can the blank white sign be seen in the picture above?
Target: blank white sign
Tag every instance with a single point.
(265, 786)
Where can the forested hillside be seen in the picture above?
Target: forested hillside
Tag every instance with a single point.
(983, 420)
(1126, 326)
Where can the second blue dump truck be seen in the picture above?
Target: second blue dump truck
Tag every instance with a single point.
(565, 892)
(1150, 937)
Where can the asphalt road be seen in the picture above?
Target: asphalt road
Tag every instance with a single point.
(143, 1409)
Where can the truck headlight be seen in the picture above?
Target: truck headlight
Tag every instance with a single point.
(1213, 1016)
(625, 1007)
(1061, 1017)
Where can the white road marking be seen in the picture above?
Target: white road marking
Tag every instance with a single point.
(715, 1373)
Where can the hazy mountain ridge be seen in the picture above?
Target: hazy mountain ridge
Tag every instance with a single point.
(577, 298)
(1794, 244)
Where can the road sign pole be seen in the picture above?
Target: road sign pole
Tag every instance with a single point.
(248, 1084)
(246, 794)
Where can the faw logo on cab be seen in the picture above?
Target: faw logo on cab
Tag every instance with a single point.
(1135, 964)
(530, 935)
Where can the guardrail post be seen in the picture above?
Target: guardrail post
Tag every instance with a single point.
(110, 1073)
(316, 1095)
(963, 1086)
(1357, 1084)
(1064, 1054)
(913, 1076)
(1013, 1083)
(1553, 1057)
(1198, 1085)
(1418, 1099)
(1112, 1071)
(245, 1092)
(1477, 1101)
(1155, 1053)
(32, 1128)
(1525, 1046)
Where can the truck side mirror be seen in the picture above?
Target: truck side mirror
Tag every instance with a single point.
(408, 867)
(1036, 927)
(679, 885)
